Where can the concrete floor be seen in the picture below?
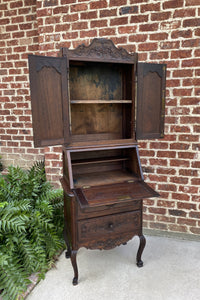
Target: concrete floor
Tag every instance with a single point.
(171, 272)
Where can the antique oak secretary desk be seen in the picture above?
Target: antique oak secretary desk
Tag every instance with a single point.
(96, 101)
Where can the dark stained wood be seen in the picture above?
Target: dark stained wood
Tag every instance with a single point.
(100, 50)
(102, 227)
(112, 194)
(94, 100)
(150, 101)
(49, 99)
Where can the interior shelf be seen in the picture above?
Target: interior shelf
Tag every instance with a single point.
(98, 160)
(102, 178)
(99, 101)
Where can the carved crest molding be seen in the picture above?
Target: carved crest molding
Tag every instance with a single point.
(103, 49)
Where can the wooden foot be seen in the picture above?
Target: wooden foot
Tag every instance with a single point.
(140, 251)
(74, 265)
(68, 253)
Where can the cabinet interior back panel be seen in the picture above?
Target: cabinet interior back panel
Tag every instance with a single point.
(93, 81)
(97, 118)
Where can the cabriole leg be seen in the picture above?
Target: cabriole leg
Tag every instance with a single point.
(140, 250)
(74, 265)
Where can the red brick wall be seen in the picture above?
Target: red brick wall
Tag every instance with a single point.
(165, 31)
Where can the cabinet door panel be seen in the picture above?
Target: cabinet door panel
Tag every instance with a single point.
(150, 101)
(49, 99)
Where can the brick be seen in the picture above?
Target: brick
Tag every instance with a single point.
(89, 15)
(192, 2)
(150, 153)
(107, 31)
(191, 81)
(184, 221)
(188, 189)
(48, 3)
(157, 178)
(158, 36)
(177, 212)
(164, 203)
(169, 154)
(157, 210)
(196, 198)
(158, 162)
(98, 4)
(135, 37)
(139, 19)
(196, 128)
(78, 7)
(16, 4)
(190, 43)
(180, 196)
(70, 35)
(149, 7)
(177, 128)
(190, 172)
(171, 120)
(181, 33)
(165, 219)
(67, 1)
(158, 145)
(189, 120)
(182, 13)
(89, 33)
(179, 163)
(80, 26)
(169, 171)
(119, 21)
(197, 53)
(188, 138)
(120, 40)
(118, 2)
(161, 16)
(4, 21)
(170, 45)
(160, 226)
(181, 54)
(179, 180)
(195, 181)
(178, 228)
(148, 27)
(170, 25)
(108, 13)
(62, 27)
(159, 55)
(128, 10)
(182, 92)
(172, 4)
(52, 20)
(190, 101)
(148, 47)
(194, 22)
(194, 214)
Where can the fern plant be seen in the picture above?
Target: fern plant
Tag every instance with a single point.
(31, 227)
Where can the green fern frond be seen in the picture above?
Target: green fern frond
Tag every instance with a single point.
(31, 227)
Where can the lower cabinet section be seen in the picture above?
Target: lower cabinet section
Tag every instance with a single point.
(102, 227)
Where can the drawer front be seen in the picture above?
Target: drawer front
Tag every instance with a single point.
(92, 212)
(110, 226)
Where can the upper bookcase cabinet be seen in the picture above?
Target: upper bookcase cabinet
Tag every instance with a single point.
(96, 94)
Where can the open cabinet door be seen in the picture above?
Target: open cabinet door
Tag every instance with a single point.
(49, 99)
(150, 100)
